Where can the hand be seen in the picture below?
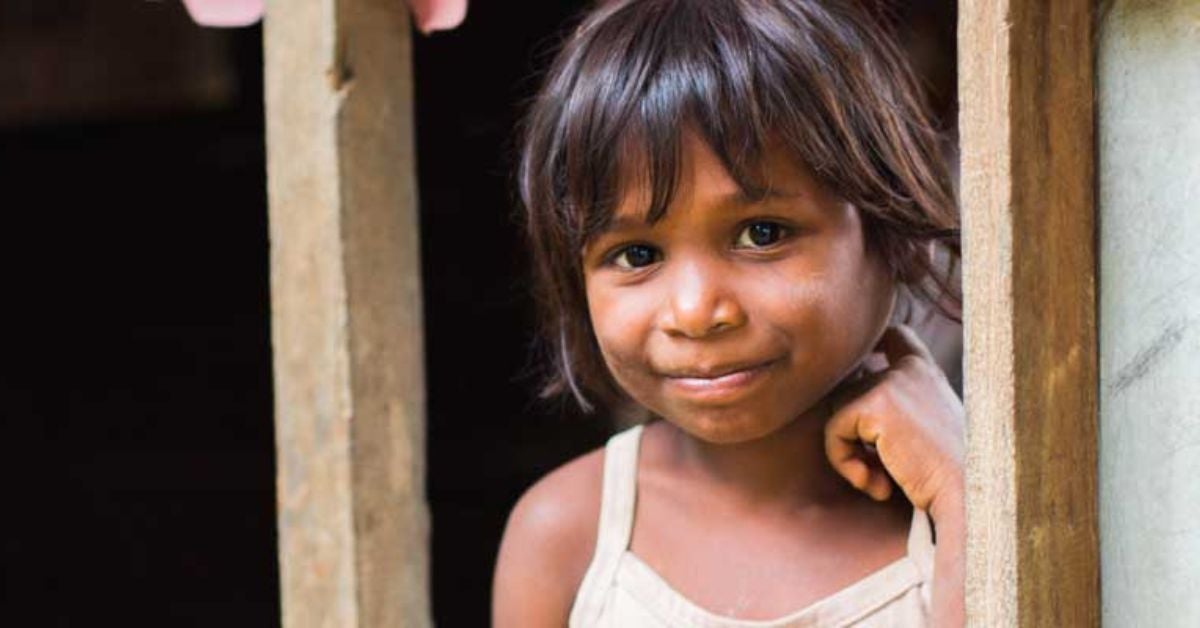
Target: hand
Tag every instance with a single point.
(437, 15)
(429, 15)
(903, 424)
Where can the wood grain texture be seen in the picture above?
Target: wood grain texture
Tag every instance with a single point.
(346, 314)
(1026, 98)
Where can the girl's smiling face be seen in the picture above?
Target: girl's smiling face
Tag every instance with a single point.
(731, 318)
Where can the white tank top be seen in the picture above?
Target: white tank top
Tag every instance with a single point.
(620, 591)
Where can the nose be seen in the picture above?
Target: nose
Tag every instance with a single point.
(702, 301)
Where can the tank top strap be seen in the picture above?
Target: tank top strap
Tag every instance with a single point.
(920, 544)
(617, 501)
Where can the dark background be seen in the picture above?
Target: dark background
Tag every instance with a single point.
(136, 380)
(137, 404)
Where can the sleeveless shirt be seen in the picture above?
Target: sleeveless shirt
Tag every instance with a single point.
(620, 591)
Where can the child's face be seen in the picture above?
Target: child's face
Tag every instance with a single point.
(731, 319)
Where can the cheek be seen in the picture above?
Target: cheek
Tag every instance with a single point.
(810, 310)
(861, 280)
(834, 311)
(620, 325)
(877, 292)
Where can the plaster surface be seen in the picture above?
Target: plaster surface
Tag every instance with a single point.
(1149, 203)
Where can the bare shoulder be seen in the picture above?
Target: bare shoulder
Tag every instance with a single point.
(548, 544)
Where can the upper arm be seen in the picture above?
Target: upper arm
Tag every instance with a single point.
(547, 546)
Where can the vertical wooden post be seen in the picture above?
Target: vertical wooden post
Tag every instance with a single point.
(1026, 98)
(346, 314)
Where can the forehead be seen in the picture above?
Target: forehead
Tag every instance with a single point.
(704, 181)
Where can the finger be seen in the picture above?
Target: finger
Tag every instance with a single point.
(850, 426)
(880, 486)
(845, 439)
(861, 474)
(899, 341)
(856, 471)
(843, 452)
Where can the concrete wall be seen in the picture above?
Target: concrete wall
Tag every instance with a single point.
(1149, 194)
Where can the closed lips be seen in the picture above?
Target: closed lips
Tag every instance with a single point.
(718, 371)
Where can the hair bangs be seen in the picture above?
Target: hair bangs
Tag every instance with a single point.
(679, 73)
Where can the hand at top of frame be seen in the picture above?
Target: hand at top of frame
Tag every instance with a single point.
(428, 15)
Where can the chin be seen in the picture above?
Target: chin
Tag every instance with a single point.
(724, 426)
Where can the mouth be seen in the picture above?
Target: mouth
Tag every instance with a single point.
(719, 383)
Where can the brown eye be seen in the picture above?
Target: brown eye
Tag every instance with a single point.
(636, 256)
(760, 234)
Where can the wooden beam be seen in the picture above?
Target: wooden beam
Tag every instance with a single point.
(346, 314)
(1026, 97)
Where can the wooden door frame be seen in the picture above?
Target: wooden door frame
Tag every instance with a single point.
(1026, 98)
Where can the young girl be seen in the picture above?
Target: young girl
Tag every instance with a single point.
(725, 201)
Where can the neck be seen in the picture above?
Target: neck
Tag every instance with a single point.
(787, 466)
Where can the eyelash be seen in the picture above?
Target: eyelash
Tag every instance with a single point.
(613, 259)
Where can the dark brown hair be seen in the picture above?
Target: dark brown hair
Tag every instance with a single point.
(820, 78)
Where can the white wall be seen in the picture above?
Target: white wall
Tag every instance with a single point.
(1149, 193)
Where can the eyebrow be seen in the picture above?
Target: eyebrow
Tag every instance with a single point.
(735, 199)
